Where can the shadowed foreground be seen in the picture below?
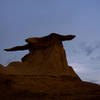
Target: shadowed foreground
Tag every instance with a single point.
(46, 88)
(44, 74)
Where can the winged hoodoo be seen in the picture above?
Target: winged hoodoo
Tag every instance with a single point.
(46, 57)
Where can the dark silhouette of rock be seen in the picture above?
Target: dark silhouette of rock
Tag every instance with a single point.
(46, 57)
(34, 43)
(44, 74)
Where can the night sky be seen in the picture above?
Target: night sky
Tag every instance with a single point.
(20, 19)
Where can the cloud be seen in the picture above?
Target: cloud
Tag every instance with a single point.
(89, 48)
(97, 58)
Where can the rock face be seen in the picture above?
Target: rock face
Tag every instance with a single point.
(44, 74)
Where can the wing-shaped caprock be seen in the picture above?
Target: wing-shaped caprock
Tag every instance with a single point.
(59, 37)
(48, 37)
(17, 48)
(41, 41)
(67, 37)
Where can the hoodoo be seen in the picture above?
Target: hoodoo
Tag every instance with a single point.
(44, 73)
(46, 57)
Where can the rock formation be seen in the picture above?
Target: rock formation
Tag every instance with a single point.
(46, 57)
(44, 73)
